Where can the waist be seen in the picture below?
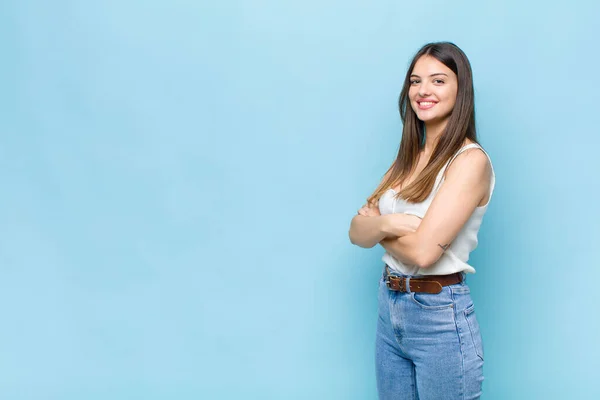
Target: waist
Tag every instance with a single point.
(448, 263)
(419, 283)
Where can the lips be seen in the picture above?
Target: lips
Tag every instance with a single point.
(426, 105)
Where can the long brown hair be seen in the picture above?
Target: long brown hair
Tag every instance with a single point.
(461, 125)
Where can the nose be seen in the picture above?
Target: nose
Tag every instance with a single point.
(424, 90)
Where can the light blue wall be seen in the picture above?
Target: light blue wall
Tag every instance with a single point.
(178, 180)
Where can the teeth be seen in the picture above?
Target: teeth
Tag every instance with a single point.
(427, 103)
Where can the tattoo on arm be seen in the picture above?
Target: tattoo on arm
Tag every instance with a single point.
(444, 246)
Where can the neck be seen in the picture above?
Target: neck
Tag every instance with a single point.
(433, 132)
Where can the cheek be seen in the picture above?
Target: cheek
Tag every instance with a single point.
(449, 99)
(453, 102)
(451, 96)
(412, 94)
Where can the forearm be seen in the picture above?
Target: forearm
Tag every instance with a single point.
(406, 249)
(366, 231)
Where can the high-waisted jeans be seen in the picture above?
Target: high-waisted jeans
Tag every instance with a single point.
(428, 346)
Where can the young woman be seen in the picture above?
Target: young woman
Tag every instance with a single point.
(426, 213)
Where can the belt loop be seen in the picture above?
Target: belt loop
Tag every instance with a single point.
(407, 280)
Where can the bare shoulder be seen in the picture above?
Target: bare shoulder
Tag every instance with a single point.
(471, 164)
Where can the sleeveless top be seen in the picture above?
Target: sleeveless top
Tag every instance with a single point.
(455, 257)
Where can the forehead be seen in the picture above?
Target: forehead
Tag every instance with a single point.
(427, 65)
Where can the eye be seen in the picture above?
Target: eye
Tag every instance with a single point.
(438, 80)
(413, 81)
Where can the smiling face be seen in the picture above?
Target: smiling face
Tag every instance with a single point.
(433, 88)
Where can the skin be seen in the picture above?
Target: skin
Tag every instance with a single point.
(465, 187)
(368, 230)
(430, 79)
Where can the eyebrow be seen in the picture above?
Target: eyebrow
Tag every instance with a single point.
(437, 73)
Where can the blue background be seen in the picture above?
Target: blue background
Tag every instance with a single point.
(178, 179)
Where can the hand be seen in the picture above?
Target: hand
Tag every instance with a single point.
(369, 211)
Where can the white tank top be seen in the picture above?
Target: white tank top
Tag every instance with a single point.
(455, 257)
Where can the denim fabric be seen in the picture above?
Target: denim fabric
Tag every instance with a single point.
(428, 346)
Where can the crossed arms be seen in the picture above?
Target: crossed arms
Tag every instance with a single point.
(421, 242)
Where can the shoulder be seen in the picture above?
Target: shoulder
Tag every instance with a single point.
(471, 164)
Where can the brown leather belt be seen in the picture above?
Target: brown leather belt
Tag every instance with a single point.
(429, 284)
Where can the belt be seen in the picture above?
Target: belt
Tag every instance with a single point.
(428, 284)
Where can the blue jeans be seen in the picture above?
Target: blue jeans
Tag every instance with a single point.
(428, 346)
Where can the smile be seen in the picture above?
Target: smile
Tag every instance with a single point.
(426, 105)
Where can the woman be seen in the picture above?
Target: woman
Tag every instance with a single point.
(426, 213)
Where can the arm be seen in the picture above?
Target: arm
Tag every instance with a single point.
(366, 231)
(369, 227)
(466, 184)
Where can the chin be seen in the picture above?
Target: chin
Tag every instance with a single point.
(431, 118)
(427, 118)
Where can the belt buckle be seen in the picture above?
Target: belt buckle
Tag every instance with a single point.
(401, 283)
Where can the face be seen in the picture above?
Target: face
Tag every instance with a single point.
(433, 88)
